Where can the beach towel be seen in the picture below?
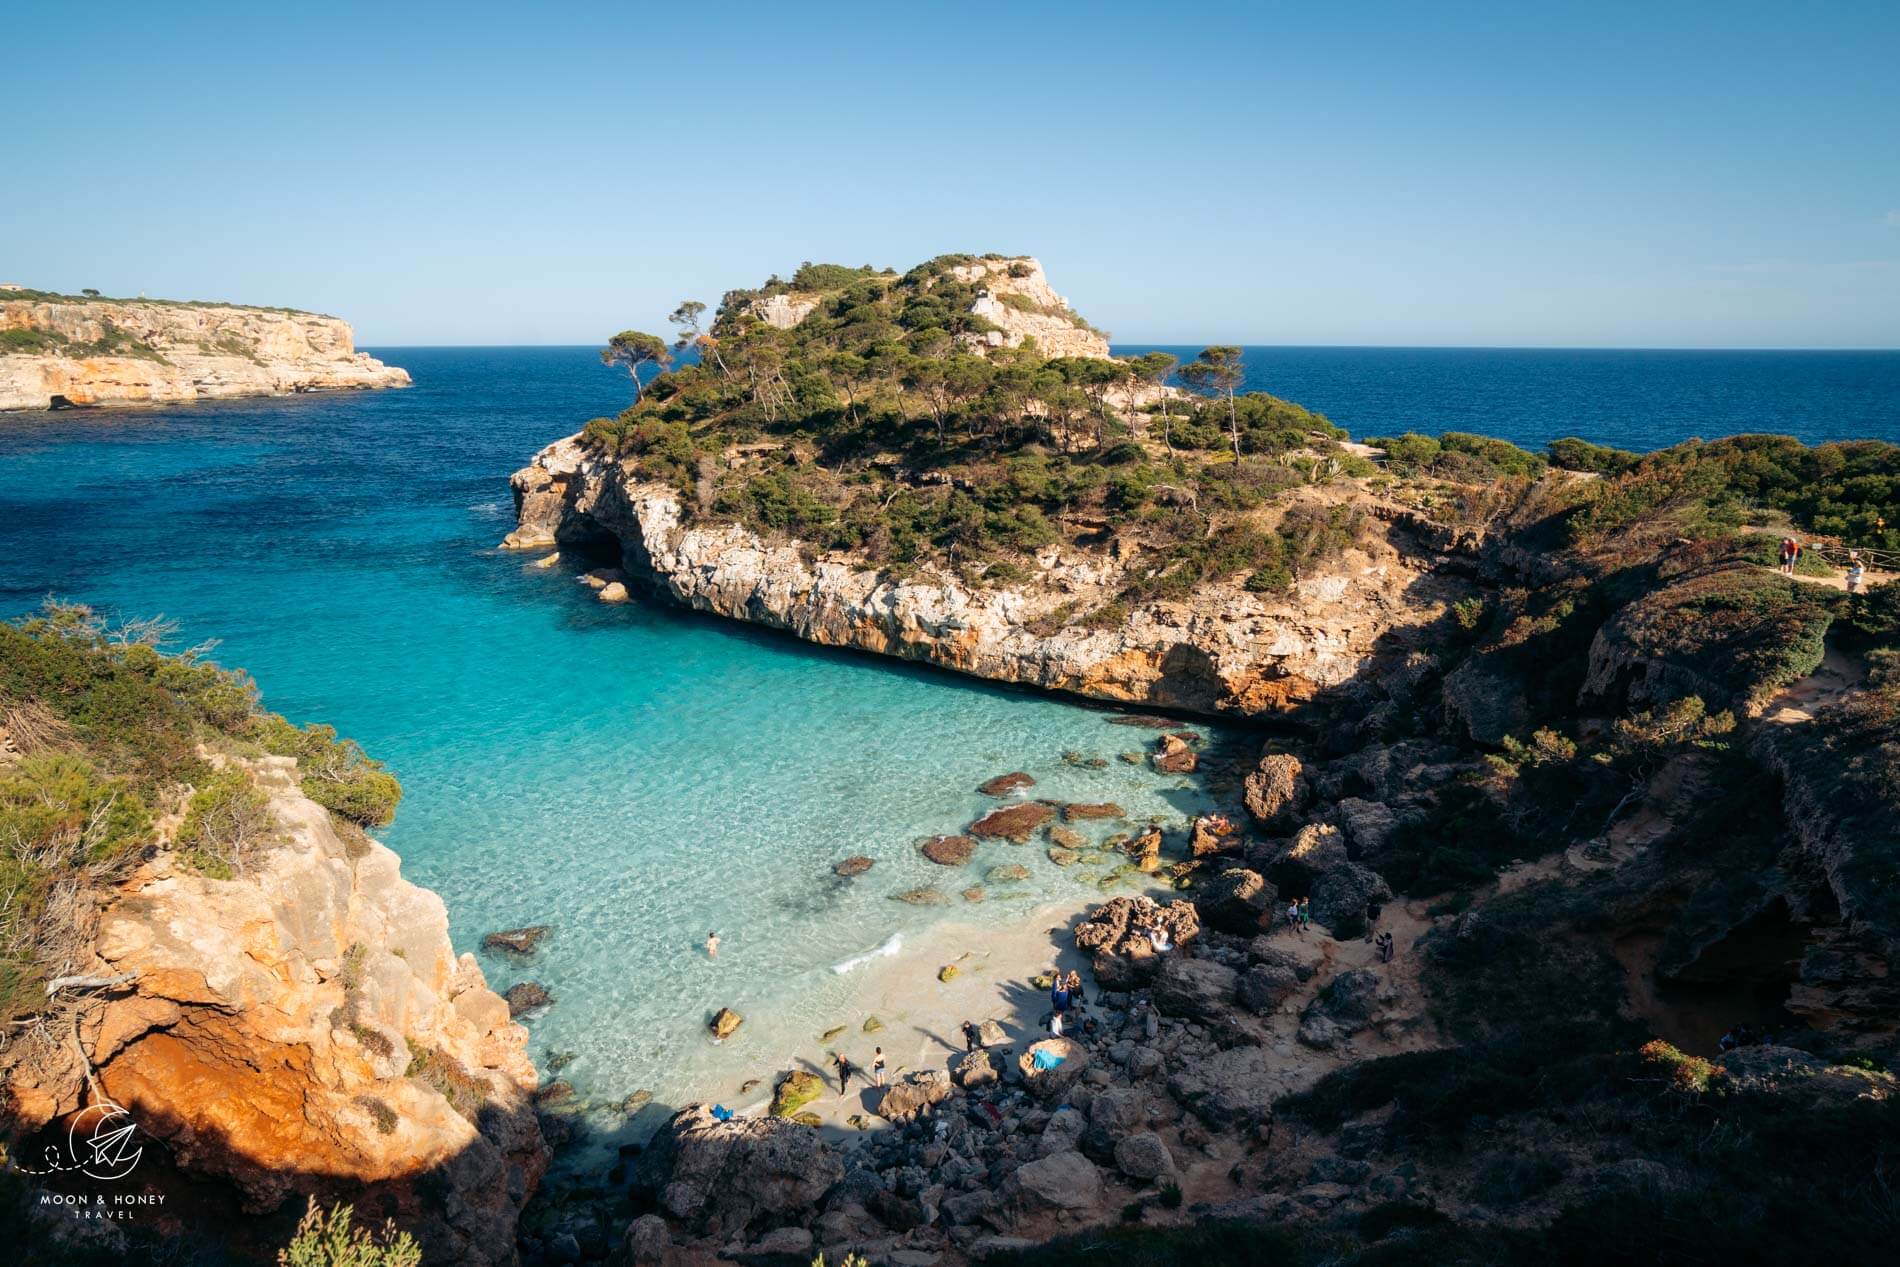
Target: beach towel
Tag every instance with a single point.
(721, 1113)
(1045, 1060)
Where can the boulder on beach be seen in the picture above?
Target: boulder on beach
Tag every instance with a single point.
(856, 864)
(1004, 784)
(914, 1095)
(525, 997)
(1065, 1181)
(1340, 896)
(1234, 901)
(1277, 789)
(1314, 850)
(1078, 811)
(1123, 955)
(979, 1069)
(1143, 1157)
(724, 1022)
(948, 973)
(794, 1091)
(1173, 755)
(1198, 989)
(1212, 834)
(1051, 1084)
(720, 1178)
(990, 1034)
(516, 941)
(1014, 823)
(948, 851)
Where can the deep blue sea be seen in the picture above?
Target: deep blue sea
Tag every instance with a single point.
(1630, 399)
(636, 776)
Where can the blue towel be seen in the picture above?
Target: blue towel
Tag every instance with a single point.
(1045, 1060)
(721, 1113)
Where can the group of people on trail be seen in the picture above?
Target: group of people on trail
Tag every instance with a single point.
(1299, 914)
(1384, 945)
(1791, 551)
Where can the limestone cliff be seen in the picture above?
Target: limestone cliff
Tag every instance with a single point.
(303, 1028)
(1225, 651)
(119, 352)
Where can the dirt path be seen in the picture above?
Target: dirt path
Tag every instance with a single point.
(1837, 676)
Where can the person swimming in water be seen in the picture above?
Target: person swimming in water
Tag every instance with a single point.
(712, 945)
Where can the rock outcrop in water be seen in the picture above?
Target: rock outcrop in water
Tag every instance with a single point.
(1224, 651)
(60, 351)
(305, 1028)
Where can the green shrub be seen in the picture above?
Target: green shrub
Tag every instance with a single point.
(225, 820)
(332, 1240)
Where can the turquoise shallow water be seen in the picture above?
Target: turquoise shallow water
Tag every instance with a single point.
(636, 776)
(633, 776)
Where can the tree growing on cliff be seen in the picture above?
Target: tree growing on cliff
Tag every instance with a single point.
(633, 350)
(1217, 372)
(1151, 370)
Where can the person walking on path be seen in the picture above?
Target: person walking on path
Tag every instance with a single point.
(1790, 551)
(1306, 914)
(1856, 572)
(877, 1067)
(1384, 946)
(843, 1062)
(1293, 916)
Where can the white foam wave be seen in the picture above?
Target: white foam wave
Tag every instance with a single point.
(892, 944)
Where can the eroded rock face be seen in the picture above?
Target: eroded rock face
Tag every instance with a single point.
(270, 1025)
(916, 1094)
(1234, 901)
(720, 1178)
(1014, 823)
(1196, 988)
(1228, 651)
(201, 353)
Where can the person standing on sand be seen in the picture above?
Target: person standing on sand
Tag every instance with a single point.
(972, 1038)
(712, 945)
(877, 1067)
(1293, 915)
(843, 1062)
(1306, 914)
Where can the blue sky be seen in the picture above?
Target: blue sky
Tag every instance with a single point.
(1669, 175)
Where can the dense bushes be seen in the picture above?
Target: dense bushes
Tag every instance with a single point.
(107, 735)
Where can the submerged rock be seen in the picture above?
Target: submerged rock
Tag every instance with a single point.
(1004, 784)
(1008, 873)
(921, 897)
(948, 851)
(1081, 811)
(525, 997)
(1014, 822)
(856, 864)
(516, 941)
(725, 1023)
(1172, 755)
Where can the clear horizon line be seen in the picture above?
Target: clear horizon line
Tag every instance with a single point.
(1354, 347)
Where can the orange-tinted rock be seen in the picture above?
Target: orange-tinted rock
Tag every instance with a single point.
(1013, 822)
(1004, 784)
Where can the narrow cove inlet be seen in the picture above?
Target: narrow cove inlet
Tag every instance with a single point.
(632, 777)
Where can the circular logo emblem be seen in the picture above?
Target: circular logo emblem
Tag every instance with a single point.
(102, 1141)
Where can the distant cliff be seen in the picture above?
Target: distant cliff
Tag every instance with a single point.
(58, 350)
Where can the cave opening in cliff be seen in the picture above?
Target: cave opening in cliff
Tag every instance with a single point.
(1744, 978)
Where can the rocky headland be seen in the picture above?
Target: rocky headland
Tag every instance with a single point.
(240, 969)
(58, 351)
(1588, 811)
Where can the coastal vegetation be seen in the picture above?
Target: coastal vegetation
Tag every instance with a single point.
(110, 748)
(892, 421)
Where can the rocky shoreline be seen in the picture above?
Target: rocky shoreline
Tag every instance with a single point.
(74, 353)
(1226, 653)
